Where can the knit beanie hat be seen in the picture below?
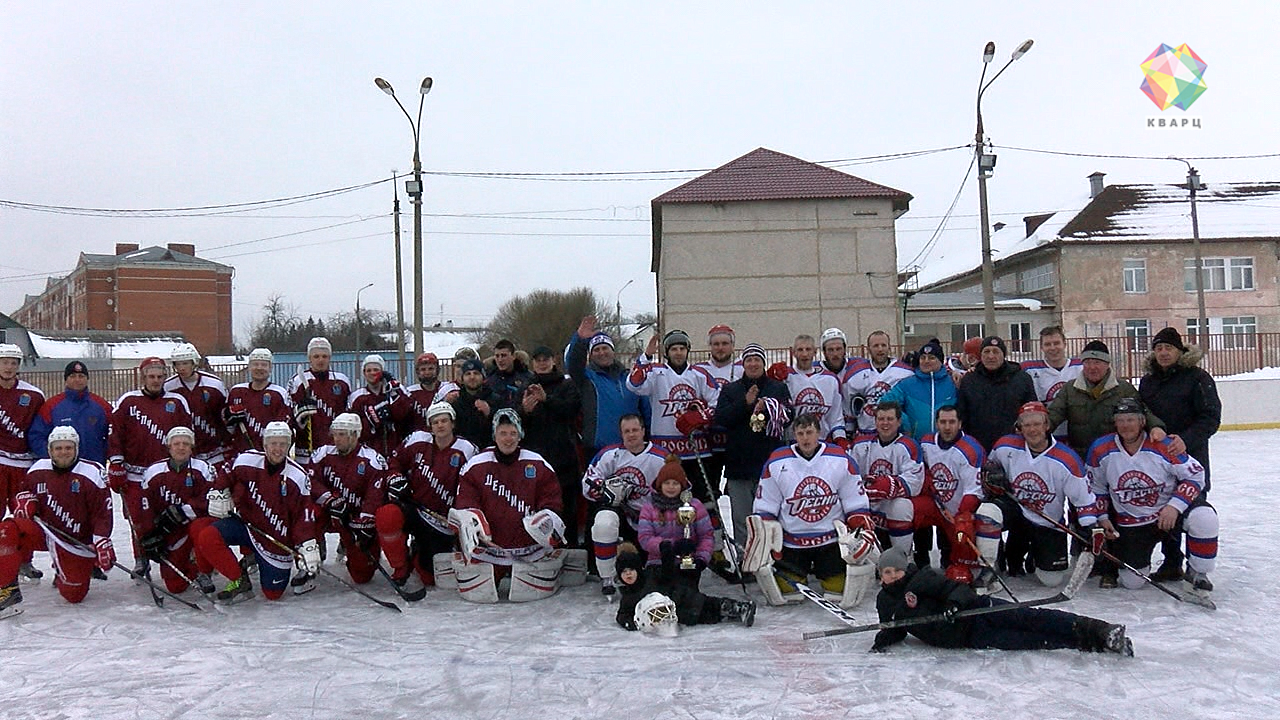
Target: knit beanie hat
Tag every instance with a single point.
(995, 342)
(1096, 350)
(892, 558)
(671, 469)
(934, 348)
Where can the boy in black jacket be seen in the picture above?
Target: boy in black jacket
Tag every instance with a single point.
(692, 607)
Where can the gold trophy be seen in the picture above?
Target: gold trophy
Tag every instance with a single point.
(685, 515)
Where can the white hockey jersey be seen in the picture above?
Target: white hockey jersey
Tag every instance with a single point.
(638, 469)
(900, 460)
(952, 471)
(1138, 486)
(817, 393)
(1045, 481)
(1050, 381)
(807, 497)
(865, 382)
(720, 376)
(669, 392)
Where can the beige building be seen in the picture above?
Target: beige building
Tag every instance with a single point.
(775, 246)
(1121, 265)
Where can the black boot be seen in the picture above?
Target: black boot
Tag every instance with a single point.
(743, 611)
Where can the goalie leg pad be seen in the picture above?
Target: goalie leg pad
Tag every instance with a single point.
(858, 580)
(764, 542)
(604, 535)
(768, 585)
(475, 581)
(536, 580)
(574, 572)
(442, 569)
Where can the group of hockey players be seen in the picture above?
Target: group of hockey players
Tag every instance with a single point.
(828, 461)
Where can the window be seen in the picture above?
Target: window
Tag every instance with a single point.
(1135, 275)
(1138, 333)
(1039, 277)
(1020, 337)
(963, 331)
(1239, 332)
(1192, 335)
(1219, 274)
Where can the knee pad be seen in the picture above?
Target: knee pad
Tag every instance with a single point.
(475, 581)
(442, 569)
(1201, 526)
(1130, 581)
(1051, 578)
(768, 585)
(536, 580)
(988, 522)
(764, 542)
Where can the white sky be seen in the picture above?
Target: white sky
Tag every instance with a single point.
(146, 105)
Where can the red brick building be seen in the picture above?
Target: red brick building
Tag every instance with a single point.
(154, 289)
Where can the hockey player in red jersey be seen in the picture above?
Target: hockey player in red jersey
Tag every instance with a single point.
(428, 390)
(20, 401)
(271, 498)
(252, 405)
(319, 395)
(413, 528)
(506, 514)
(206, 396)
(176, 491)
(140, 421)
(383, 406)
(66, 494)
(348, 486)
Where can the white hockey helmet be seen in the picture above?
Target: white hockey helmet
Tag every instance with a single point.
(346, 422)
(9, 350)
(832, 334)
(276, 429)
(260, 354)
(64, 433)
(180, 431)
(507, 416)
(441, 408)
(373, 359)
(319, 343)
(186, 352)
(656, 613)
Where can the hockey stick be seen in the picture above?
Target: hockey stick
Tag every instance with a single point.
(946, 515)
(191, 583)
(146, 573)
(298, 556)
(1078, 576)
(1180, 597)
(77, 544)
(730, 549)
(818, 598)
(382, 571)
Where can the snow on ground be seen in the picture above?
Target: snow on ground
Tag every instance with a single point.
(1266, 373)
(333, 654)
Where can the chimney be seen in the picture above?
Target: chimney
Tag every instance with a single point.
(998, 227)
(1095, 184)
(187, 248)
(122, 248)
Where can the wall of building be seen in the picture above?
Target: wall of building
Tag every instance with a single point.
(778, 268)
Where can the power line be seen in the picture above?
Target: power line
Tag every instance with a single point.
(942, 223)
(1133, 157)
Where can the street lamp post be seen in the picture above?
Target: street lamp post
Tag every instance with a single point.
(618, 307)
(414, 189)
(359, 325)
(395, 208)
(986, 165)
(1202, 318)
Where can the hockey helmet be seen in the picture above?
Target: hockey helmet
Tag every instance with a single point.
(64, 433)
(186, 352)
(180, 431)
(427, 357)
(441, 408)
(720, 330)
(1035, 406)
(277, 429)
(507, 416)
(374, 359)
(9, 350)
(656, 613)
(261, 354)
(150, 362)
(319, 343)
(1128, 406)
(346, 422)
(832, 334)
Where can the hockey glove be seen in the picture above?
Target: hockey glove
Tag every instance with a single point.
(859, 546)
(173, 519)
(883, 487)
(117, 477)
(546, 528)
(24, 506)
(334, 505)
(106, 553)
(303, 411)
(1098, 540)
(843, 442)
(694, 418)
(220, 504)
(964, 528)
(995, 482)
(616, 490)
(362, 528)
(153, 543)
(233, 418)
(779, 371)
(472, 528)
(398, 489)
(310, 552)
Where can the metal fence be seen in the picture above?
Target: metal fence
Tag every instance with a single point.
(1227, 355)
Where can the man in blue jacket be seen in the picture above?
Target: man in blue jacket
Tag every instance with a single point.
(602, 381)
(923, 393)
(78, 408)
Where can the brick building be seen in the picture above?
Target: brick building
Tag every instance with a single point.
(154, 289)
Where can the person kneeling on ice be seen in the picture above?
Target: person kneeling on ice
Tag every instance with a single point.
(271, 498)
(65, 495)
(907, 592)
(675, 524)
(639, 609)
(176, 489)
(507, 524)
(811, 514)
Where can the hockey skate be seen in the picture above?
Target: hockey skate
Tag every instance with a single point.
(411, 587)
(608, 590)
(985, 582)
(205, 583)
(1170, 570)
(236, 591)
(743, 611)
(303, 583)
(10, 600)
(1197, 583)
(98, 573)
(28, 573)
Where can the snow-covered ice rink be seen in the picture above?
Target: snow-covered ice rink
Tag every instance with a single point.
(333, 654)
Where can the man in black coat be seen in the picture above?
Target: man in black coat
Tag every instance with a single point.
(747, 449)
(991, 393)
(474, 406)
(550, 408)
(1183, 395)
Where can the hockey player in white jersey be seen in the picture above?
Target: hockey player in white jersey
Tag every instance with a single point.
(617, 482)
(892, 473)
(868, 380)
(1054, 369)
(723, 369)
(1042, 475)
(1151, 492)
(814, 390)
(811, 513)
(952, 493)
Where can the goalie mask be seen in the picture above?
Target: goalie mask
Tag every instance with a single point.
(656, 613)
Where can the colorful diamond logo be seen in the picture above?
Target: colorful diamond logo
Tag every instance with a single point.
(1174, 76)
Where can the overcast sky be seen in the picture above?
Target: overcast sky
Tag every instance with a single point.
(130, 106)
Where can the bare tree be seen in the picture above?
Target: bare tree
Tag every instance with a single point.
(542, 317)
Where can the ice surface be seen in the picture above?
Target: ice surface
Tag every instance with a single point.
(333, 654)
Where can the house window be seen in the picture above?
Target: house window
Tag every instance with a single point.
(1239, 332)
(1192, 335)
(1219, 274)
(1135, 275)
(1039, 277)
(963, 331)
(1138, 333)
(1020, 337)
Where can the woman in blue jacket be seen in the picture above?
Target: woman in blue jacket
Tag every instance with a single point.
(923, 393)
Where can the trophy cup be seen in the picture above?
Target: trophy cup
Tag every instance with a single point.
(685, 515)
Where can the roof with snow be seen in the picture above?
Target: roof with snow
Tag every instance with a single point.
(103, 344)
(764, 174)
(148, 256)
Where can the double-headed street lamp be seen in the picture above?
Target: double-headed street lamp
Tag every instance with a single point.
(414, 189)
(986, 165)
(359, 325)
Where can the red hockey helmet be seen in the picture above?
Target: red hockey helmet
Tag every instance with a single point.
(148, 362)
(1035, 406)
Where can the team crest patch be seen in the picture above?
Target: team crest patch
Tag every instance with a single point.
(911, 600)
(205, 394)
(530, 471)
(455, 461)
(360, 469)
(337, 389)
(169, 407)
(75, 486)
(266, 399)
(24, 400)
